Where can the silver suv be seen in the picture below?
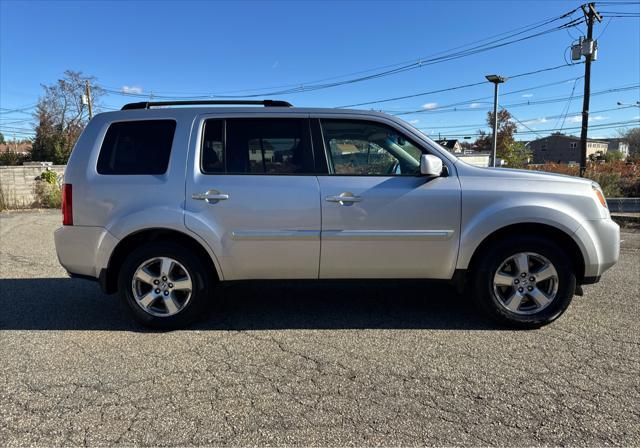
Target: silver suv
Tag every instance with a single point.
(161, 203)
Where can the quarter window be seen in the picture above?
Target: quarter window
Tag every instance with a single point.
(362, 148)
(137, 147)
(213, 147)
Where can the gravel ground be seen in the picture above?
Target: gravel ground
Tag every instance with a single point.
(393, 363)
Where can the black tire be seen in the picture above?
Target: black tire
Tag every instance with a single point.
(489, 262)
(202, 283)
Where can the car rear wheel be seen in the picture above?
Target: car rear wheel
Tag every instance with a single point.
(524, 282)
(165, 285)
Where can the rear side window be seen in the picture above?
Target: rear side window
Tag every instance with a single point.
(257, 146)
(137, 147)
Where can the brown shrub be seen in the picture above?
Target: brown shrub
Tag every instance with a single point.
(617, 178)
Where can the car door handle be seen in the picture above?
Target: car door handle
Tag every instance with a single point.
(345, 198)
(211, 196)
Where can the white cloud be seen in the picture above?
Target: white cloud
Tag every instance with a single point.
(575, 119)
(474, 105)
(429, 106)
(578, 118)
(527, 95)
(536, 121)
(132, 89)
(414, 121)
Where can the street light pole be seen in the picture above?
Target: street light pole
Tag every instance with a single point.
(495, 79)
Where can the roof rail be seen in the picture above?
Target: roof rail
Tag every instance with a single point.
(150, 104)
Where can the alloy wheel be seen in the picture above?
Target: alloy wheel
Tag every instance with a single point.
(525, 283)
(162, 286)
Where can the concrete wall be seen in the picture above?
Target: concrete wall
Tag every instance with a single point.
(17, 183)
(481, 160)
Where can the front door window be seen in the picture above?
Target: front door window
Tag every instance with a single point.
(363, 148)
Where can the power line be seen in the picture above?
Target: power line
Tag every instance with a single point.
(453, 107)
(415, 63)
(497, 43)
(28, 120)
(603, 126)
(4, 111)
(568, 104)
(516, 118)
(480, 100)
(385, 100)
(605, 28)
(529, 120)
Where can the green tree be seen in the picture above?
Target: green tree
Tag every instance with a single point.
(10, 158)
(512, 152)
(62, 115)
(612, 156)
(1, 138)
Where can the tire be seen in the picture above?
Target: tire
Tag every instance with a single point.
(175, 306)
(500, 264)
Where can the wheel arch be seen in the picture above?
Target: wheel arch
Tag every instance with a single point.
(560, 237)
(109, 276)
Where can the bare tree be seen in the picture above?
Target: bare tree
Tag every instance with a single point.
(62, 114)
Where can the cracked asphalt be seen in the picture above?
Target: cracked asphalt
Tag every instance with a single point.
(365, 363)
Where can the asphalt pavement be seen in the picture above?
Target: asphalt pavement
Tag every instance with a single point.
(361, 363)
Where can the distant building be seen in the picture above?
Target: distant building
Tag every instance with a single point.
(617, 145)
(22, 148)
(560, 148)
(453, 145)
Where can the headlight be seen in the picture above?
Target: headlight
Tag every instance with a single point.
(598, 192)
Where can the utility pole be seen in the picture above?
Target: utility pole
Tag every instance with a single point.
(495, 79)
(87, 89)
(587, 50)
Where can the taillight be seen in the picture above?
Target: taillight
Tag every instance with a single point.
(67, 205)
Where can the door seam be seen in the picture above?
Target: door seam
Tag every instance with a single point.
(320, 238)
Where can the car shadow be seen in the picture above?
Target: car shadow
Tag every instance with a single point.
(74, 304)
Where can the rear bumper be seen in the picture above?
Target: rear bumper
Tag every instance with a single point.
(84, 251)
(600, 239)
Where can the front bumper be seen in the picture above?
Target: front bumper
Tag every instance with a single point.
(84, 250)
(600, 239)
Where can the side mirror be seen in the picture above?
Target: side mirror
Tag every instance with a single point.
(430, 165)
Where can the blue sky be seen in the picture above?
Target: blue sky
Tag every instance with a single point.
(172, 48)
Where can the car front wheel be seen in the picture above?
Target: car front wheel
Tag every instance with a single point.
(524, 282)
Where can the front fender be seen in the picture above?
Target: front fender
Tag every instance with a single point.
(479, 226)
